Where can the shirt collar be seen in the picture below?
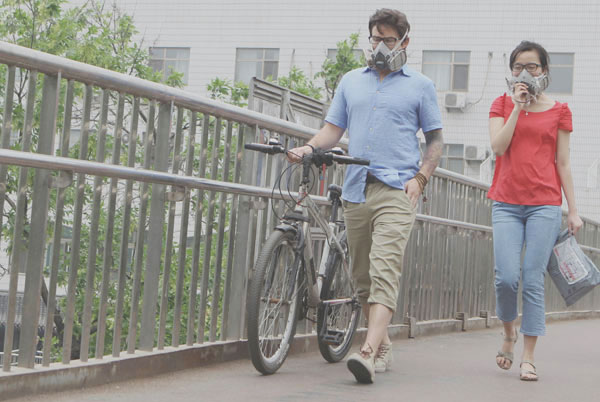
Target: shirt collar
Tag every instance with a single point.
(404, 71)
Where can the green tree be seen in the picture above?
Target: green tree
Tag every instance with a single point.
(297, 81)
(237, 93)
(228, 92)
(93, 33)
(96, 34)
(333, 71)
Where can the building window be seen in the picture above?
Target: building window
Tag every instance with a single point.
(332, 53)
(561, 73)
(169, 59)
(453, 157)
(449, 70)
(256, 62)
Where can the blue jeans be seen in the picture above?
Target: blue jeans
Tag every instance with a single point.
(536, 226)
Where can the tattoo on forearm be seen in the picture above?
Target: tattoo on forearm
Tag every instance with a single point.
(433, 151)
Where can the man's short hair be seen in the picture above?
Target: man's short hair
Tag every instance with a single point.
(390, 18)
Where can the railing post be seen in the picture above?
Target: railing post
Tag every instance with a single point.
(181, 263)
(90, 276)
(241, 264)
(50, 299)
(141, 234)
(155, 232)
(19, 246)
(76, 239)
(173, 198)
(6, 131)
(123, 261)
(108, 238)
(39, 218)
(227, 291)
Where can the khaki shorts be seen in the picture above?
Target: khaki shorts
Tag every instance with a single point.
(378, 231)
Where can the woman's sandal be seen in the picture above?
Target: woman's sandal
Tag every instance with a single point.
(528, 375)
(507, 355)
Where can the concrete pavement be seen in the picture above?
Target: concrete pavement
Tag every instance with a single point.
(451, 367)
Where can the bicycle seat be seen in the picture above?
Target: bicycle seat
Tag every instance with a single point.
(335, 191)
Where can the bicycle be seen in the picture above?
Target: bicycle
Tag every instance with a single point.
(285, 283)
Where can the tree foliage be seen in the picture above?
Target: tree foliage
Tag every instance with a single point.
(93, 33)
(333, 71)
(96, 34)
(226, 91)
(297, 81)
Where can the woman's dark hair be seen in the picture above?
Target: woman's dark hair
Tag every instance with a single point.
(391, 18)
(526, 46)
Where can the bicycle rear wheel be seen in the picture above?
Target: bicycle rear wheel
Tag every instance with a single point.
(336, 323)
(273, 302)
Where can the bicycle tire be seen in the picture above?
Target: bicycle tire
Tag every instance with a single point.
(269, 345)
(335, 286)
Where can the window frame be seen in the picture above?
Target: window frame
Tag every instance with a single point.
(571, 66)
(453, 63)
(448, 156)
(164, 59)
(263, 61)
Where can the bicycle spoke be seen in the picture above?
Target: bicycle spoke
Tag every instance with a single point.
(276, 308)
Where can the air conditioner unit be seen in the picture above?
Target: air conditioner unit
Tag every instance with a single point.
(455, 101)
(471, 153)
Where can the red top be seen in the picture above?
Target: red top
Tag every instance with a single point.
(526, 173)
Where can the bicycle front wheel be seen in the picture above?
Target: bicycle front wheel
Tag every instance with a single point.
(273, 302)
(336, 322)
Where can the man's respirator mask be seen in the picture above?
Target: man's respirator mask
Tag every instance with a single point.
(535, 85)
(382, 58)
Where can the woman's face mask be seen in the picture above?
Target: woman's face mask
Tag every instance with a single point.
(535, 85)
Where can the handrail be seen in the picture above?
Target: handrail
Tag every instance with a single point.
(88, 74)
(28, 159)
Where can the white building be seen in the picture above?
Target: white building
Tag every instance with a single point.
(462, 45)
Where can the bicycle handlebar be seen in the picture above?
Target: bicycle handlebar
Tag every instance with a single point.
(268, 149)
(349, 160)
(318, 157)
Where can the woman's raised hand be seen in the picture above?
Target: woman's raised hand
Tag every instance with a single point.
(520, 95)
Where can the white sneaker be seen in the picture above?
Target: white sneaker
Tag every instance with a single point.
(383, 358)
(363, 368)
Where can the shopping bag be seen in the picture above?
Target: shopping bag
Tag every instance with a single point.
(573, 273)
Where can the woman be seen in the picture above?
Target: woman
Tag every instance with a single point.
(530, 135)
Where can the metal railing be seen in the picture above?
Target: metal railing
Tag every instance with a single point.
(163, 213)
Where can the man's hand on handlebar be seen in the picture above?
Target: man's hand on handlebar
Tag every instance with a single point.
(295, 155)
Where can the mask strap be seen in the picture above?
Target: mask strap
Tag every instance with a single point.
(543, 81)
(400, 42)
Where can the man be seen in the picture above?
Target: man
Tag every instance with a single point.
(382, 107)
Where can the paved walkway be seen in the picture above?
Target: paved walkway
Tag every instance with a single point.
(453, 367)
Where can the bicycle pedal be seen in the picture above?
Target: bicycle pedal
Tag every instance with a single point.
(334, 338)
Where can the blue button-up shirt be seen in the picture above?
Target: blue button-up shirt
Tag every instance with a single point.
(382, 119)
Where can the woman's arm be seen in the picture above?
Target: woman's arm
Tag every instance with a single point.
(563, 164)
(501, 133)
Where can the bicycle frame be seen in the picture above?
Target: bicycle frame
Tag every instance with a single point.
(331, 230)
